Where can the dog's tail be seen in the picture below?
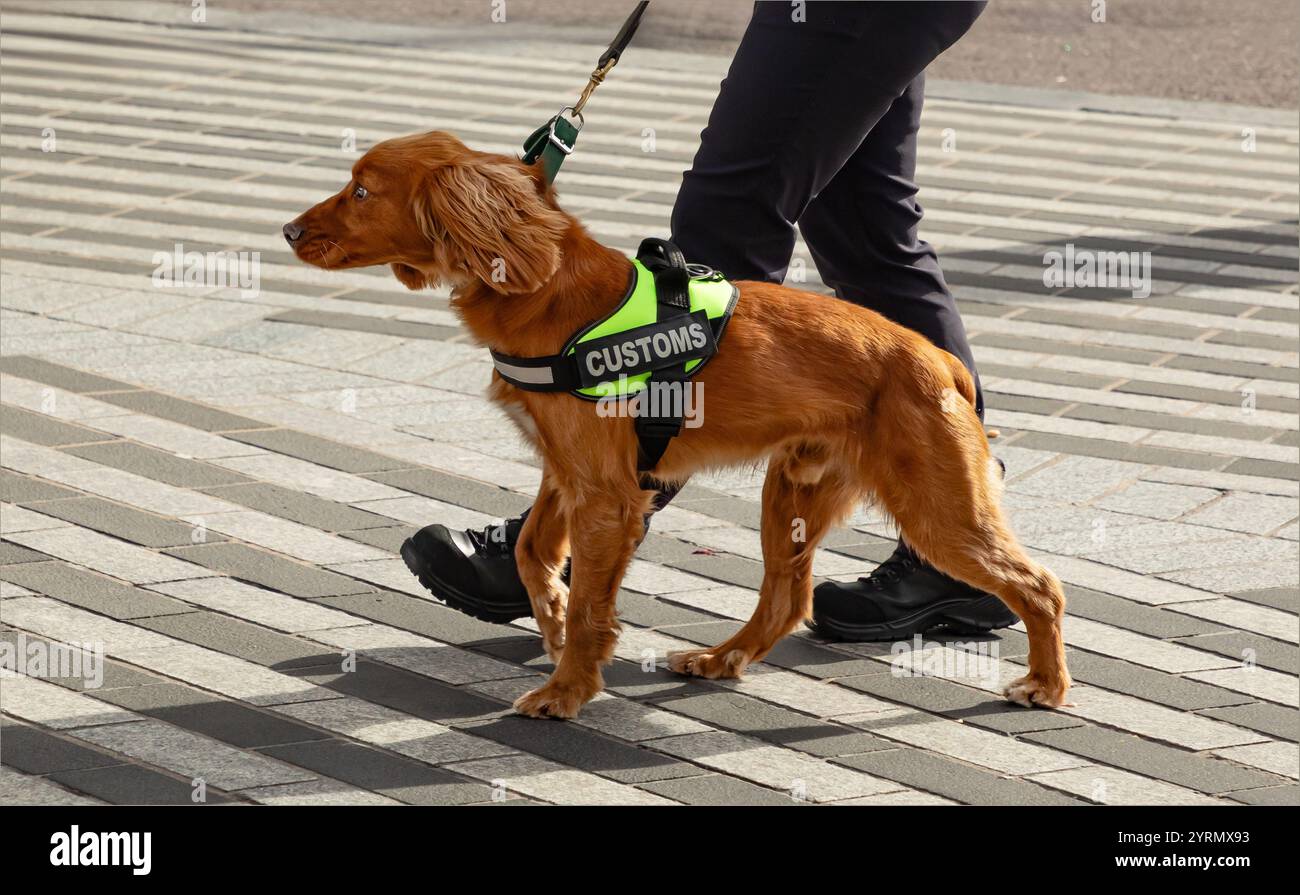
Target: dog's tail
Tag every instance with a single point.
(961, 378)
(965, 385)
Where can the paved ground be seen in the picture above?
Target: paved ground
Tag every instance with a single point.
(1176, 49)
(212, 486)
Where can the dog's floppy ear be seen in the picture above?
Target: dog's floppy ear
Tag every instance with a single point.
(410, 277)
(495, 223)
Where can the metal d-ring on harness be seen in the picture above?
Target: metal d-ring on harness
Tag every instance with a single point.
(667, 326)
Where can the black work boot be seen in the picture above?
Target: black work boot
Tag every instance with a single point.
(473, 571)
(904, 596)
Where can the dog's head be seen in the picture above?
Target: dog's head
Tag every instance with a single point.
(437, 212)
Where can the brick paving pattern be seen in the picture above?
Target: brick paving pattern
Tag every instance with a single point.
(213, 485)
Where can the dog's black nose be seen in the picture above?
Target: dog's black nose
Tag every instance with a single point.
(292, 232)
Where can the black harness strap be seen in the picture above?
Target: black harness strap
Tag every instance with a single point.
(662, 403)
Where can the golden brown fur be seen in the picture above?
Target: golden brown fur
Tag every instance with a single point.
(845, 404)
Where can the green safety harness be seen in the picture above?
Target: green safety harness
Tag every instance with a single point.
(665, 329)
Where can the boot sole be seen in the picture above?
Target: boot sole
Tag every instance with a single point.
(454, 598)
(958, 616)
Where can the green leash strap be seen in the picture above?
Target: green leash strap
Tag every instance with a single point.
(553, 141)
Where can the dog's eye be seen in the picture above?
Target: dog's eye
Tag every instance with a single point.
(360, 192)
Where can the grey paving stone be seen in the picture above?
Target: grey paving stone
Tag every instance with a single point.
(1107, 322)
(1167, 422)
(123, 522)
(1252, 340)
(795, 652)
(17, 788)
(429, 619)
(724, 567)
(67, 378)
(270, 570)
(215, 716)
(1266, 717)
(157, 465)
(524, 650)
(115, 674)
(1241, 644)
(975, 707)
(17, 488)
(298, 506)
(403, 690)
(1147, 683)
(583, 749)
(952, 779)
(1133, 616)
(92, 591)
(724, 507)
(189, 755)
(1045, 374)
(644, 611)
(358, 323)
(390, 538)
(1122, 750)
(1231, 368)
(179, 410)
(319, 450)
(382, 772)
(1024, 403)
(664, 549)
(1046, 346)
(1207, 395)
(1269, 795)
(1285, 598)
(799, 652)
(454, 489)
(1267, 468)
(397, 299)
(41, 429)
(630, 680)
(128, 784)
(11, 553)
(34, 750)
(1117, 450)
(239, 638)
(717, 789)
(774, 724)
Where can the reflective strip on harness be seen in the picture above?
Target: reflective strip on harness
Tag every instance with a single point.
(530, 375)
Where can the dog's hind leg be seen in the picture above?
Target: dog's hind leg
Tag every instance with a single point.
(805, 493)
(539, 554)
(943, 491)
(605, 528)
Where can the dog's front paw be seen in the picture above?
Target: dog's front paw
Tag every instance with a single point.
(1035, 691)
(708, 664)
(552, 700)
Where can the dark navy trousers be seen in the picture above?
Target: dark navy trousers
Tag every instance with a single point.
(815, 127)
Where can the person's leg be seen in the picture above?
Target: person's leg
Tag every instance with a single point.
(862, 233)
(799, 99)
(807, 85)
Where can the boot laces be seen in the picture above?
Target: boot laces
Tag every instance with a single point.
(889, 571)
(496, 538)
